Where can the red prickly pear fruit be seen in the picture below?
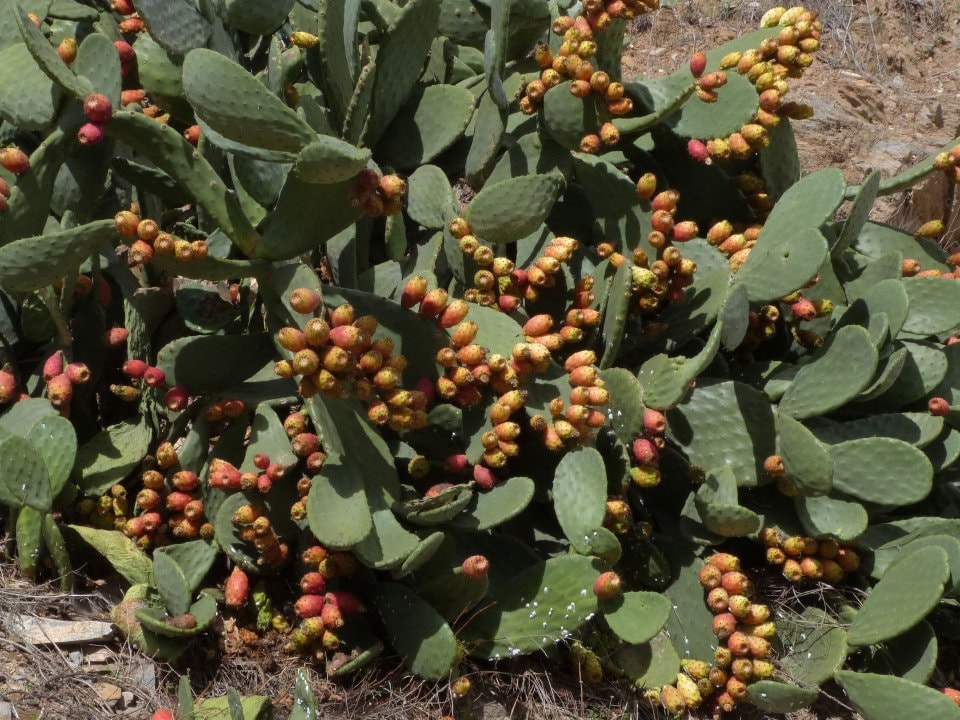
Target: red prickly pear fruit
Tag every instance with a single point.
(646, 186)
(654, 422)
(738, 643)
(454, 313)
(116, 337)
(483, 477)
(52, 366)
(609, 134)
(685, 231)
(773, 466)
(313, 583)
(162, 714)
(608, 586)
(433, 303)
(305, 444)
(5, 193)
(308, 606)
(414, 291)
(455, 463)
(97, 108)
(848, 559)
(8, 387)
(803, 309)
(332, 616)
(392, 186)
(130, 25)
(305, 300)
(538, 325)
(237, 589)
(125, 51)
(698, 63)
(67, 50)
(718, 600)
(697, 150)
(192, 135)
(938, 406)
(78, 373)
(710, 577)
(734, 582)
(59, 391)
(134, 368)
(812, 568)
(14, 160)
(725, 562)
(724, 625)
(176, 398)
(952, 694)
(132, 97)
(475, 567)
(154, 377)
(346, 602)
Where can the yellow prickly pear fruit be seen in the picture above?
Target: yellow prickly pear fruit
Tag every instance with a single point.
(772, 17)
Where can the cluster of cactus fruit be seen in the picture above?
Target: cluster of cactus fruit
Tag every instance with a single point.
(243, 314)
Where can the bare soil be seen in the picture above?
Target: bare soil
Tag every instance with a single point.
(886, 90)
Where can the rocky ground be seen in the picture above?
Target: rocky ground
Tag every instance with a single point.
(886, 90)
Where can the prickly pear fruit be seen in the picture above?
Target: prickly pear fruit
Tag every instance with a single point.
(8, 387)
(710, 576)
(952, 694)
(97, 108)
(162, 714)
(724, 625)
(59, 391)
(608, 586)
(476, 567)
(698, 63)
(938, 406)
(237, 589)
(14, 160)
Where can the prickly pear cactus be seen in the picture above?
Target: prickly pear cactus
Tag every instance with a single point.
(420, 332)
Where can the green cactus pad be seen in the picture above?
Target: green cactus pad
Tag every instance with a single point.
(420, 555)
(881, 470)
(194, 558)
(512, 209)
(541, 605)
(107, 457)
(689, 625)
(179, 159)
(613, 198)
(22, 415)
(489, 130)
(790, 249)
(636, 617)
(119, 550)
(97, 60)
(34, 104)
(814, 644)
(33, 263)
(877, 240)
(171, 583)
(432, 120)
(925, 366)
(912, 656)
(725, 423)
(248, 707)
(232, 102)
(779, 697)
(23, 475)
(257, 17)
(337, 53)
(916, 428)
(28, 534)
(806, 461)
(337, 506)
(619, 294)
(400, 60)
(831, 517)
(859, 212)
(495, 506)
(889, 553)
(532, 153)
(416, 631)
(176, 25)
(650, 665)
(388, 543)
(453, 594)
(329, 160)
(626, 408)
(47, 58)
(932, 304)
(840, 370)
(885, 296)
(55, 440)
(945, 450)
(884, 697)
(430, 199)
(579, 497)
(189, 361)
(568, 118)
(665, 380)
(908, 590)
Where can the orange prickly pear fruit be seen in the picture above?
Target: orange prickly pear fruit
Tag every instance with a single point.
(237, 589)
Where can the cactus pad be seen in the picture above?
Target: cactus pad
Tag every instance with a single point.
(831, 517)
(512, 209)
(171, 583)
(579, 497)
(23, 475)
(908, 590)
(838, 373)
(330, 160)
(541, 605)
(495, 506)
(417, 632)
(176, 25)
(814, 644)
(120, 551)
(881, 470)
(430, 200)
(884, 697)
(806, 461)
(636, 617)
(779, 697)
(337, 506)
(35, 103)
(932, 300)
